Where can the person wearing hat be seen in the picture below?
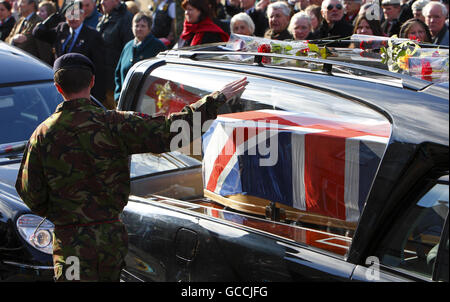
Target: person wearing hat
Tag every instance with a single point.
(74, 170)
(416, 8)
(352, 8)
(391, 9)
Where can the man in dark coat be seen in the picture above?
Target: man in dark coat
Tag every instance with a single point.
(91, 14)
(279, 15)
(435, 14)
(352, 8)
(164, 21)
(21, 34)
(258, 17)
(115, 28)
(75, 36)
(333, 25)
(391, 10)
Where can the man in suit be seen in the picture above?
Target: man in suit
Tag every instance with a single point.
(75, 36)
(21, 35)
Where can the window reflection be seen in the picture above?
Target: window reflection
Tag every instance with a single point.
(23, 108)
(414, 240)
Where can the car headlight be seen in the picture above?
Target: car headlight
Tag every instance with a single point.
(41, 238)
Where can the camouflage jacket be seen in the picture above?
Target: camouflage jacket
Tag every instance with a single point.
(75, 167)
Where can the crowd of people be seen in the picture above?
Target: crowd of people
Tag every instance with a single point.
(116, 34)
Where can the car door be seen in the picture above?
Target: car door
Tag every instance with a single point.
(416, 246)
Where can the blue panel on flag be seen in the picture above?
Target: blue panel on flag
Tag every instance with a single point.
(206, 137)
(269, 182)
(368, 164)
(232, 184)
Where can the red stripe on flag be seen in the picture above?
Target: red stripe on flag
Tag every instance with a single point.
(221, 162)
(227, 152)
(325, 175)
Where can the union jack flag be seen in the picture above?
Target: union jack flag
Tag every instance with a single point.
(323, 165)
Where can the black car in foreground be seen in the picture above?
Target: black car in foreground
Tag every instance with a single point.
(321, 170)
(27, 97)
(349, 181)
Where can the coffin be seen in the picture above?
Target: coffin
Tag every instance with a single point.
(318, 170)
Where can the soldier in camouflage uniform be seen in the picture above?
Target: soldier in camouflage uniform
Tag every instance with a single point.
(75, 171)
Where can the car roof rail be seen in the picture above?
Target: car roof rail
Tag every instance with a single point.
(325, 42)
(407, 81)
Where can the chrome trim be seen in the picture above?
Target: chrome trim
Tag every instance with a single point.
(130, 275)
(407, 81)
(23, 265)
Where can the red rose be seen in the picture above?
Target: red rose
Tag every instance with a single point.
(265, 48)
(426, 71)
(361, 45)
(414, 38)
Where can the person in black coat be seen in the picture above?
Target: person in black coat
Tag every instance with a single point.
(7, 21)
(258, 16)
(115, 28)
(392, 10)
(73, 36)
(198, 27)
(333, 25)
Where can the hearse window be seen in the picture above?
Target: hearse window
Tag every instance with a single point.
(413, 242)
(170, 87)
(315, 188)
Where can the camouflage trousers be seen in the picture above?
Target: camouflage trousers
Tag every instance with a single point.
(90, 253)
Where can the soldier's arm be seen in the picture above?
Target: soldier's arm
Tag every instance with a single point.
(30, 183)
(142, 133)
